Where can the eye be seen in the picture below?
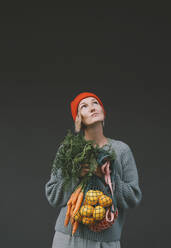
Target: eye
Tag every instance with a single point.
(83, 106)
(96, 102)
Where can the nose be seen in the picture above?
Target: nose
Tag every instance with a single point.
(92, 108)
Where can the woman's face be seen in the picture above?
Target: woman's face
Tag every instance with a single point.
(91, 111)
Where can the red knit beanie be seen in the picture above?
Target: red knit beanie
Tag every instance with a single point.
(78, 98)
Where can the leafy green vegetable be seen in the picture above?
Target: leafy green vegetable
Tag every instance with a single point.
(74, 151)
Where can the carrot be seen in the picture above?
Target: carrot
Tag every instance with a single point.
(72, 220)
(70, 199)
(72, 209)
(67, 219)
(71, 205)
(68, 209)
(77, 191)
(75, 226)
(78, 203)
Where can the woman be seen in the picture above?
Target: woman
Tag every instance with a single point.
(89, 114)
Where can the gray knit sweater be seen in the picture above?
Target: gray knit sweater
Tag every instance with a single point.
(127, 190)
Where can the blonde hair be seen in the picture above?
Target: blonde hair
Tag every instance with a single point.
(78, 122)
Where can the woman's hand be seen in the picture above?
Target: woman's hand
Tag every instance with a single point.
(98, 172)
(84, 170)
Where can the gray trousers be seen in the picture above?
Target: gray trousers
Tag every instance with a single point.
(62, 240)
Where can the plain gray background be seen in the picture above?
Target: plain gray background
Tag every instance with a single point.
(48, 56)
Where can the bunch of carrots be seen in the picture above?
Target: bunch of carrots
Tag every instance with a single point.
(73, 206)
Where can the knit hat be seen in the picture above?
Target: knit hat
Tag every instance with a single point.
(74, 104)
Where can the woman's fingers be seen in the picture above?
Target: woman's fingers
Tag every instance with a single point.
(84, 171)
(85, 168)
(85, 165)
(98, 172)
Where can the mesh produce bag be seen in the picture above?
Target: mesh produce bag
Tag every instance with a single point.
(98, 209)
(103, 220)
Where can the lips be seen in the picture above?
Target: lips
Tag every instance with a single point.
(94, 114)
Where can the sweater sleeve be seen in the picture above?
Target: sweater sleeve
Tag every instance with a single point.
(54, 189)
(128, 193)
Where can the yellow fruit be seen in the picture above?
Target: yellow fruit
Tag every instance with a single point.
(99, 213)
(92, 197)
(99, 193)
(78, 216)
(92, 202)
(87, 220)
(105, 201)
(86, 210)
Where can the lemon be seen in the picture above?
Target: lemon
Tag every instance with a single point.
(86, 210)
(99, 213)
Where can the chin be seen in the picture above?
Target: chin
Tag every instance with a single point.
(94, 122)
